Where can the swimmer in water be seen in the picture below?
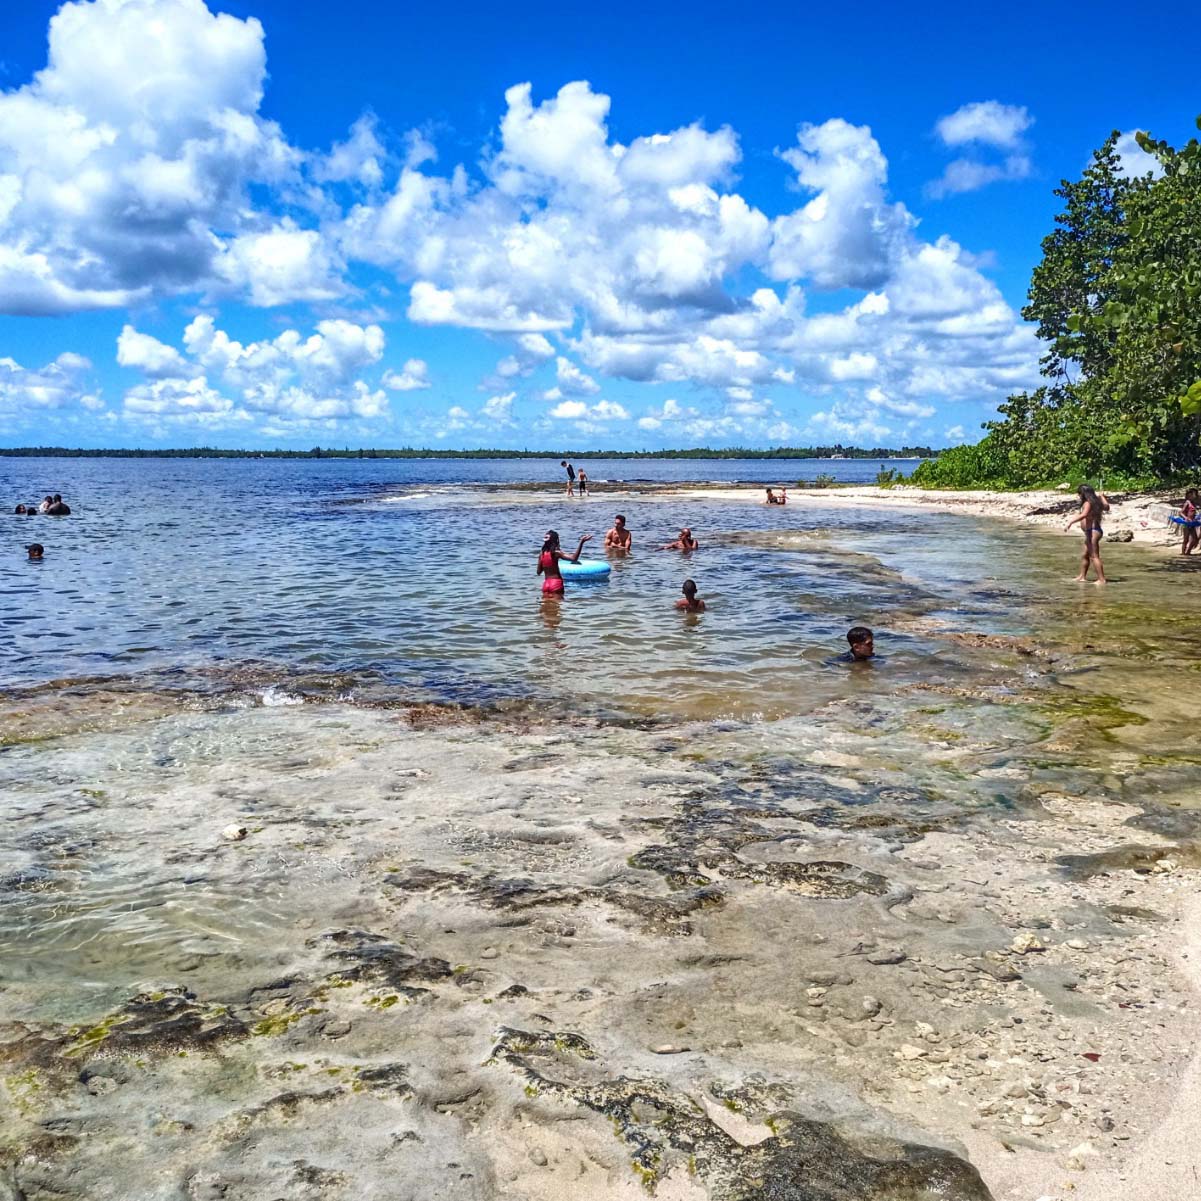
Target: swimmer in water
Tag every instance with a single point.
(619, 538)
(685, 542)
(1092, 506)
(20, 509)
(691, 602)
(36, 550)
(773, 499)
(57, 508)
(862, 644)
(549, 559)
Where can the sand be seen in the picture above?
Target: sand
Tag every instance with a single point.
(1144, 514)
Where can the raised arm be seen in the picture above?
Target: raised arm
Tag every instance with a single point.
(576, 557)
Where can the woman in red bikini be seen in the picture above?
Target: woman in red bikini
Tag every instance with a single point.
(548, 562)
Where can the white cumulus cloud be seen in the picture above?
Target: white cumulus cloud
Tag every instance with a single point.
(290, 381)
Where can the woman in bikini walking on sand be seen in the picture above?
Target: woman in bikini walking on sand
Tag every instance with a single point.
(548, 563)
(1092, 506)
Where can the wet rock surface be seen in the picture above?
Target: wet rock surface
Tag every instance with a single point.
(446, 964)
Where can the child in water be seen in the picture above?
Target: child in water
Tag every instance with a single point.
(36, 550)
(548, 562)
(691, 602)
(1092, 506)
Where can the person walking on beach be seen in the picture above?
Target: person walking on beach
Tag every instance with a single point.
(1192, 535)
(548, 562)
(1092, 505)
(570, 476)
(691, 603)
(619, 538)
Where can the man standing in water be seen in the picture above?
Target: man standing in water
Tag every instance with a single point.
(570, 476)
(619, 538)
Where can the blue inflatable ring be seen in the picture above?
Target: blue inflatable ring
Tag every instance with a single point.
(585, 569)
(1182, 521)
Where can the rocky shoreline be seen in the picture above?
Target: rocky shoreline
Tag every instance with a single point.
(455, 959)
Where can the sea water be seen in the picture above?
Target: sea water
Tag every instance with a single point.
(351, 660)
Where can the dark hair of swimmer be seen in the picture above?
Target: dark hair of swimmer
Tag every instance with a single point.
(35, 550)
(552, 541)
(858, 634)
(58, 500)
(621, 517)
(689, 589)
(19, 509)
(1086, 493)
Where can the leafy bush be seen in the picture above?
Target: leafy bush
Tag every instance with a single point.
(886, 477)
(1116, 299)
(824, 481)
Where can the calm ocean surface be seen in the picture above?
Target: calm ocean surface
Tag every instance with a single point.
(416, 579)
(419, 575)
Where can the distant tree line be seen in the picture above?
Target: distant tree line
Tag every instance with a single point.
(321, 452)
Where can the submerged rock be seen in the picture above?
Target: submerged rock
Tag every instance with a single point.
(789, 1157)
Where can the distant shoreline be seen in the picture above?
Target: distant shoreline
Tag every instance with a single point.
(832, 453)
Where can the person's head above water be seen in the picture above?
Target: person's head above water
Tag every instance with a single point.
(35, 550)
(689, 589)
(620, 521)
(58, 500)
(861, 641)
(19, 509)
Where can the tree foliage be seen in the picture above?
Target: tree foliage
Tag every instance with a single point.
(1117, 302)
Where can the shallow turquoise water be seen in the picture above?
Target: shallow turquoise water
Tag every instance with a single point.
(419, 576)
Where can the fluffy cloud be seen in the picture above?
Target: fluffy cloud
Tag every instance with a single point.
(289, 381)
(1135, 160)
(55, 386)
(969, 175)
(636, 249)
(577, 410)
(847, 235)
(986, 124)
(571, 381)
(137, 165)
(129, 158)
(412, 377)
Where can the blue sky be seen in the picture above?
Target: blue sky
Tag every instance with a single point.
(279, 224)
